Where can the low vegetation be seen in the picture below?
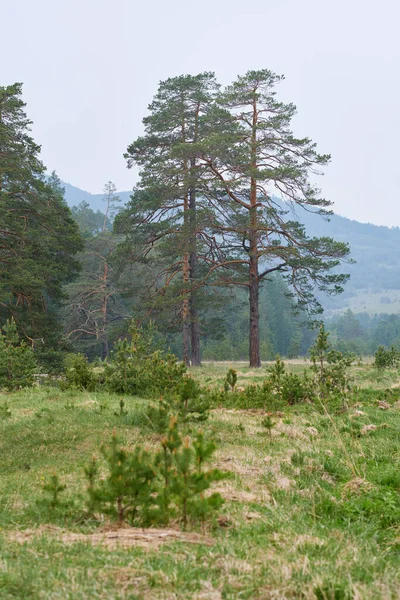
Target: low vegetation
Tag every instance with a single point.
(300, 498)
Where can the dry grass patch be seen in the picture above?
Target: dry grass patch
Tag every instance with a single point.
(113, 538)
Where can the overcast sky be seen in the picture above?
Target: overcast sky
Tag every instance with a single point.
(91, 67)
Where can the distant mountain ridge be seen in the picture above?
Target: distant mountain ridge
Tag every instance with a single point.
(374, 284)
(75, 195)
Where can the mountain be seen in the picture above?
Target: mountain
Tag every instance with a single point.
(74, 196)
(374, 285)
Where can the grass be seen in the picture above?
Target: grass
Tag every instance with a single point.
(312, 508)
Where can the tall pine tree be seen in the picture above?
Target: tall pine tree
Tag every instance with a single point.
(38, 237)
(261, 175)
(168, 213)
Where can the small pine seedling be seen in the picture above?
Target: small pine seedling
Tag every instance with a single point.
(269, 424)
(92, 472)
(231, 378)
(122, 411)
(53, 489)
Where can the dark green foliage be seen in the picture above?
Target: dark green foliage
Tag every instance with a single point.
(191, 480)
(39, 238)
(164, 462)
(79, 373)
(192, 402)
(157, 416)
(231, 378)
(296, 388)
(319, 352)
(330, 366)
(143, 489)
(387, 358)
(289, 387)
(92, 474)
(17, 360)
(276, 372)
(136, 368)
(252, 396)
(126, 492)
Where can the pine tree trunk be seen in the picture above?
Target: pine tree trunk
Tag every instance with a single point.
(186, 332)
(195, 331)
(254, 337)
(254, 283)
(194, 315)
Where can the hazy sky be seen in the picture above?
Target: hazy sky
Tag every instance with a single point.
(91, 67)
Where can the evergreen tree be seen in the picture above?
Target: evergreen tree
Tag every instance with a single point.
(253, 156)
(17, 361)
(38, 237)
(168, 212)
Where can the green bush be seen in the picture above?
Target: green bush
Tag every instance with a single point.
(191, 403)
(387, 358)
(135, 368)
(79, 374)
(126, 492)
(143, 489)
(17, 360)
(296, 389)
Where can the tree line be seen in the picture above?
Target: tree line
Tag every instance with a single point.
(211, 222)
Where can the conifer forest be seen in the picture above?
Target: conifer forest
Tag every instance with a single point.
(199, 375)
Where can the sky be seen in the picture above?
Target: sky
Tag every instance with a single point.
(91, 67)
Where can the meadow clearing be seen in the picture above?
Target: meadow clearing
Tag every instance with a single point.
(312, 504)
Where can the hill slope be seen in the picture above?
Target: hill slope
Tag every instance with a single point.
(75, 195)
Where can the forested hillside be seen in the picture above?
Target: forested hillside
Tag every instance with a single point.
(376, 250)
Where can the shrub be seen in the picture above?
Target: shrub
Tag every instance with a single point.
(387, 358)
(17, 360)
(79, 374)
(269, 424)
(144, 489)
(288, 387)
(296, 389)
(276, 373)
(126, 492)
(183, 477)
(191, 403)
(135, 368)
(156, 416)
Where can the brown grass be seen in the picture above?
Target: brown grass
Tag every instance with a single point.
(115, 538)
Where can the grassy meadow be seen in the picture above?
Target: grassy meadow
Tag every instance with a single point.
(312, 506)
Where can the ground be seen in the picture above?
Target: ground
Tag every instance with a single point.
(311, 511)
